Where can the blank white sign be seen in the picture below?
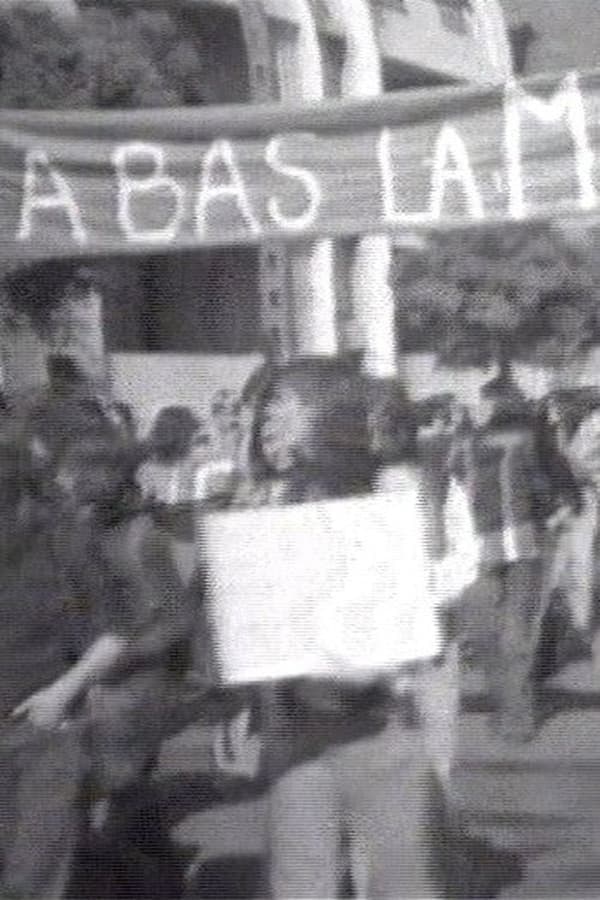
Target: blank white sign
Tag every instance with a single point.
(331, 588)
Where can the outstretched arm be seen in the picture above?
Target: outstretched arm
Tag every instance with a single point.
(153, 577)
(49, 707)
(163, 632)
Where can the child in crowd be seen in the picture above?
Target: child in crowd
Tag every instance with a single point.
(164, 476)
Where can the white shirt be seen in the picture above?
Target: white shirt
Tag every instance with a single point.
(212, 477)
(458, 568)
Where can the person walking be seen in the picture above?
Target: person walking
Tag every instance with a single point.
(165, 475)
(511, 500)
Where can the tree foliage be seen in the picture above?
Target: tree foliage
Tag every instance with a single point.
(516, 293)
(102, 59)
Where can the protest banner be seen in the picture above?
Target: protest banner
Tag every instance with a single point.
(332, 588)
(89, 182)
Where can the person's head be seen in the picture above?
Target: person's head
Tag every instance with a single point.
(96, 470)
(502, 404)
(393, 423)
(172, 435)
(436, 416)
(311, 425)
(121, 417)
(64, 373)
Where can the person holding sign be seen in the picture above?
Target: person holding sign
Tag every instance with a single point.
(350, 778)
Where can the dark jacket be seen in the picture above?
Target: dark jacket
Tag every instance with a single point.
(509, 491)
(118, 576)
(33, 628)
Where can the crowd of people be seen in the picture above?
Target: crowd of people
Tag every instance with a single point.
(98, 623)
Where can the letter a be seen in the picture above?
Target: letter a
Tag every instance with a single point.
(60, 198)
(450, 146)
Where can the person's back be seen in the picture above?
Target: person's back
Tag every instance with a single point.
(511, 499)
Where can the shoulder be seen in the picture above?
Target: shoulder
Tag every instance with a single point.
(130, 539)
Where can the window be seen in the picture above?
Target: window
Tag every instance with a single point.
(454, 15)
(204, 301)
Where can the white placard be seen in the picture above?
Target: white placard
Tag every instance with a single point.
(319, 589)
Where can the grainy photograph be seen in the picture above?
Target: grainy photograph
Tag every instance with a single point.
(299, 449)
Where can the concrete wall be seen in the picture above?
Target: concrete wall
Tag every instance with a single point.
(435, 36)
(568, 32)
(150, 381)
(431, 35)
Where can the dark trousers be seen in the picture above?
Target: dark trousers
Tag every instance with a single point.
(41, 813)
(516, 594)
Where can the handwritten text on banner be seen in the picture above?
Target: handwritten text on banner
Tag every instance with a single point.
(89, 182)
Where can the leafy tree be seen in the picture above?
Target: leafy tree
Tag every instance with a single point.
(99, 59)
(103, 59)
(516, 293)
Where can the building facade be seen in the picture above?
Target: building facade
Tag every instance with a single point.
(310, 298)
(318, 297)
(553, 36)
